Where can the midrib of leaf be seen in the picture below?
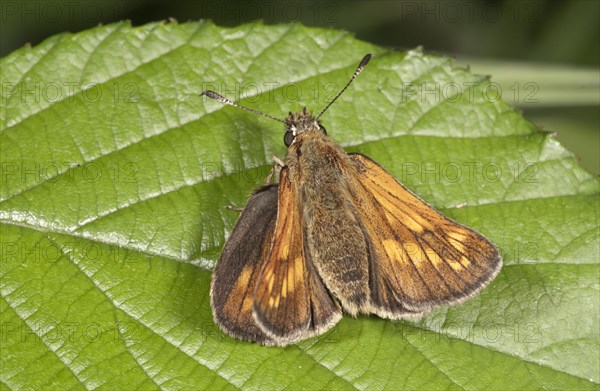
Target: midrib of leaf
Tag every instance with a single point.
(217, 177)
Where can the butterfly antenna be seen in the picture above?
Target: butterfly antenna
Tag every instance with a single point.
(222, 99)
(361, 66)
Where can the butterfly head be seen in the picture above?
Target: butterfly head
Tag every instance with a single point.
(300, 122)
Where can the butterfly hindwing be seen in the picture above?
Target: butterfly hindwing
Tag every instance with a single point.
(420, 258)
(236, 273)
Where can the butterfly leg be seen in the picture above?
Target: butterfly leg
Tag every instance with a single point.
(275, 170)
(234, 208)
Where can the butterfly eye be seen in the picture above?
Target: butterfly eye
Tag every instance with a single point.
(323, 129)
(288, 138)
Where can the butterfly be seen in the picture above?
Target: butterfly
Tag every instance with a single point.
(338, 234)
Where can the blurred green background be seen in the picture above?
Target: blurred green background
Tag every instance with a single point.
(544, 55)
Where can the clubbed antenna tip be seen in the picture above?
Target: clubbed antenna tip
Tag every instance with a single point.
(359, 69)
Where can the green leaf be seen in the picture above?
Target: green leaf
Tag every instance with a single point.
(116, 176)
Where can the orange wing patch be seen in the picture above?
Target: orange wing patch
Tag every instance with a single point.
(281, 297)
(420, 258)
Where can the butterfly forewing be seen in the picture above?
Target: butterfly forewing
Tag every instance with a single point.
(290, 301)
(419, 257)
